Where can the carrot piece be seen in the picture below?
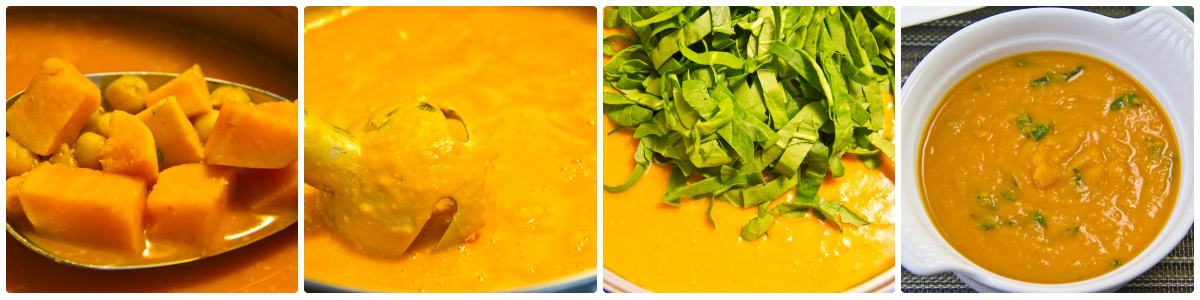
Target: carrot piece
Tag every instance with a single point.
(190, 89)
(188, 204)
(264, 189)
(129, 149)
(54, 108)
(260, 136)
(85, 206)
(173, 133)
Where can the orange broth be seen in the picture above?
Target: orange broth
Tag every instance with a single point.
(525, 79)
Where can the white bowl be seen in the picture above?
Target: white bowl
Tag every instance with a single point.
(1155, 46)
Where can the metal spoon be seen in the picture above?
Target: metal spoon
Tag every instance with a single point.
(156, 255)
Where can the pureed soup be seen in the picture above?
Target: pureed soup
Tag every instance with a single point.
(1049, 167)
(525, 78)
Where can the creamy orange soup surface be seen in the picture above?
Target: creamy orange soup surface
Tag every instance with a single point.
(1049, 167)
(525, 79)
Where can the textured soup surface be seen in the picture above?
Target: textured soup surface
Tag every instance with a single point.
(1082, 200)
(664, 248)
(91, 41)
(525, 78)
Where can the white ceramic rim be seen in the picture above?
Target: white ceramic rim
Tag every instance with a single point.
(916, 15)
(1154, 46)
(882, 283)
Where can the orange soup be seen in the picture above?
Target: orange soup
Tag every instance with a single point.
(91, 41)
(525, 79)
(664, 248)
(1049, 167)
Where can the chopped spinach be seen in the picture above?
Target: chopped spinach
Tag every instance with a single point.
(742, 94)
(986, 201)
(1128, 99)
(1009, 195)
(1040, 81)
(1038, 218)
(1069, 76)
(987, 222)
(1030, 131)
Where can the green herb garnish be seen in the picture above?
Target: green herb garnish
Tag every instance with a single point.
(758, 100)
(988, 222)
(986, 201)
(1037, 218)
(1009, 195)
(1040, 81)
(1068, 76)
(161, 158)
(1030, 131)
(1129, 99)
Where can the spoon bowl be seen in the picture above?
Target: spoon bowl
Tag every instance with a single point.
(248, 226)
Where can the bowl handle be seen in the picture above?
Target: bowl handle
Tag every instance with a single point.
(921, 253)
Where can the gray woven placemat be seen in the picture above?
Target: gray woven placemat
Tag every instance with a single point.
(1174, 274)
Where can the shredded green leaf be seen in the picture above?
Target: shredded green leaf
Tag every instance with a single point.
(1037, 218)
(1071, 75)
(1128, 99)
(1030, 131)
(757, 100)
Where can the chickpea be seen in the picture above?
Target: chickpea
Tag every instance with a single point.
(204, 124)
(98, 123)
(65, 156)
(87, 150)
(127, 94)
(18, 159)
(227, 93)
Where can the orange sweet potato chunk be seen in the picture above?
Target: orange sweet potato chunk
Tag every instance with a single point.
(254, 136)
(86, 206)
(57, 103)
(12, 204)
(129, 149)
(188, 204)
(265, 189)
(190, 89)
(173, 133)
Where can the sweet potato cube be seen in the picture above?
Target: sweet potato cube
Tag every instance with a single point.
(190, 89)
(188, 204)
(254, 136)
(173, 133)
(12, 203)
(265, 189)
(57, 103)
(129, 149)
(86, 206)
